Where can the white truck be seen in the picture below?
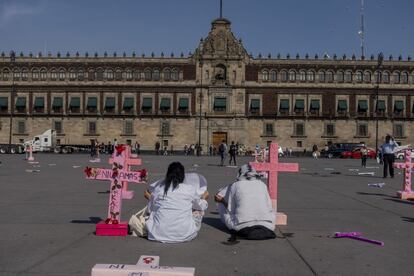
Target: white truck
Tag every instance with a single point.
(45, 142)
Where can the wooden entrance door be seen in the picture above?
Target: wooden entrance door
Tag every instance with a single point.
(218, 137)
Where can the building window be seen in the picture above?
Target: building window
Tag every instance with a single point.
(329, 76)
(72, 75)
(74, 105)
(92, 128)
(367, 77)
(4, 104)
(21, 127)
(110, 104)
(92, 104)
(398, 130)
(165, 105)
(128, 104)
(380, 108)
(299, 144)
(137, 74)
(156, 75)
(183, 105)
(81, 75)
(398, 108)
(53, 75)
(16, 74)
(128, 75)
(118, 75)
(321, 76)
(404, 77)
(21, 104)
(147, 74)
(109, 74)
(358, 76)
(39, 104)
(362, 107)
(310, 76)
(91, 75)
(220, 104)
(302, 75)
(35, 74)
(396, 77)
(128, 128)
(174, 75)
(57, 104)
(265, 75)
(147, 105)
(342, 107)
(62, 74)
(99, 74)
(362, 130)
(314, 107)
(284, 76)
(255, 106)
(284, 106)
(340, 76)
(299, 129)
(273, 76)
(43, 74)
(348, 76)
(165, 128)
(292, 75)
(330, 130)
(299, 106)
(269, 129)
(386, 77)
(167, 74)
(57, 126)
(6, 74)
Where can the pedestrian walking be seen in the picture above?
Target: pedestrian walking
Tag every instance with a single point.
(222, 152)
(364, 155)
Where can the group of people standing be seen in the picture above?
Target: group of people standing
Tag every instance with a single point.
(177, 203)
(224, 149)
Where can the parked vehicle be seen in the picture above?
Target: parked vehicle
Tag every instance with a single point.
(356, 153)
(401, 155)
(335, 150)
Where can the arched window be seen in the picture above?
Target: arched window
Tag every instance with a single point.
(265, 75)
(16, 74)
(91, 75)
(340, 77)
(174, 75)
(25, 74)
(137, 74)
(404, 77)
(43, 74)
(62, 74)
(376, 75)
(329, 76)
(72, 74)
(127, 75)
(284, 75)
(302, 75)
(321, 76)
(81, 75)
(6, 74)
(396, 77)
(310, 76)
(118, 74)
(348, 76)
(358, 76)
(109, 74)
(53, 74)
(156, 75)
(147, 74)
(292, 75)
(167, 74)
(367, 76)
(35, 74)
(386, 77)
(99, 74)
(273, 76)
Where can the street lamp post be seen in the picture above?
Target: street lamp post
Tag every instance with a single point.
(200, 108)
(380, 60)
(12, 60)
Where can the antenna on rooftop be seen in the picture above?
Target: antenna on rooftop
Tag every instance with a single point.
(361, 32)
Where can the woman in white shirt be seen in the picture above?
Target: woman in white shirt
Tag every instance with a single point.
(176, 205)
(245, 206)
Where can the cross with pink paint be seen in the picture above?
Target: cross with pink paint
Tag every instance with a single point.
(118, 175)
(408, 166)
(273, 167)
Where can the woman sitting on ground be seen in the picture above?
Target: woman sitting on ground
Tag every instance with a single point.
(245, 206)
(176, 206)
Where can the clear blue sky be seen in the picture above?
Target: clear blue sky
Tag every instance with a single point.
(266, 26)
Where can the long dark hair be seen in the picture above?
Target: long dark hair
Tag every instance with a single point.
(175, 175)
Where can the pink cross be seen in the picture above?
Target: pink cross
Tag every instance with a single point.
(126, 163)
(118, 175)
(407, 193)
(273, 167)
(29, 149)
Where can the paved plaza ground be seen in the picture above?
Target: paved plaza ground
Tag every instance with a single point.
(48, 221)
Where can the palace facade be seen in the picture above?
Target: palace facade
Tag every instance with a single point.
(296, 101)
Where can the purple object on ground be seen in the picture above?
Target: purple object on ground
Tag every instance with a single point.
(356, 236)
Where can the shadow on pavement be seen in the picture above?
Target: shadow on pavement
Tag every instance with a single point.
(92, 220)
(216, 223)
(377, 194)
(408, 219)
(401, 201)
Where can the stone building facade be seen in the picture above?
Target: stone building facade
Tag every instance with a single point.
(296, 101)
